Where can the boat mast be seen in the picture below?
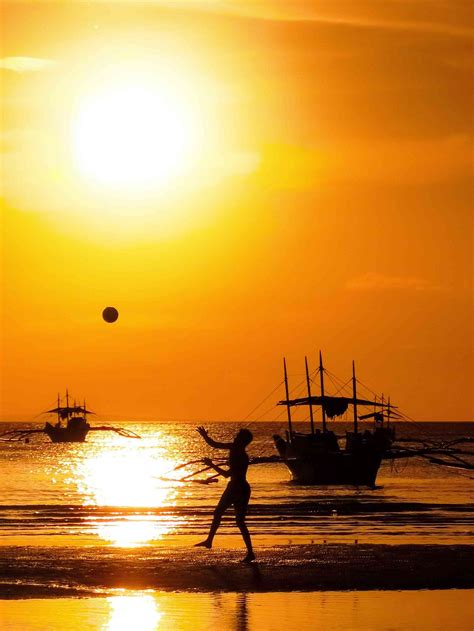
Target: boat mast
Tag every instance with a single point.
(388, 412)
(354, 391)
(321, 378)
(309, 395)
(59, 414)
(290, 427)
(67, 404)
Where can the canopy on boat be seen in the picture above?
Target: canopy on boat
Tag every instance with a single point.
(68, 410)
(333, 406)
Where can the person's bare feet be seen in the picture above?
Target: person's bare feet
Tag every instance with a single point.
(249, 558)
(204, 544)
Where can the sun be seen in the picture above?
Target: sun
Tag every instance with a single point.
(132, 136)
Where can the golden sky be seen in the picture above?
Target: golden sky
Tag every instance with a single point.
(242, 180)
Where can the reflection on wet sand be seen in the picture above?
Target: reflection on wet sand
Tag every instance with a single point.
(132, 532)
(242, 614)
(133, 612)
(160, 611)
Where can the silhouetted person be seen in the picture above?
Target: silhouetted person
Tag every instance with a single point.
(237, 493)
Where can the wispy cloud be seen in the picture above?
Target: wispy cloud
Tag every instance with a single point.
(379, 14)
(382, 282)
(428, 16)
(26, 64)
(289, 13)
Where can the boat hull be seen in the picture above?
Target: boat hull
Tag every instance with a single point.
(67, 434)
(333, 468)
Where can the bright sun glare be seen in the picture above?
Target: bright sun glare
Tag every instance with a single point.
(127, 477)
(132, 136)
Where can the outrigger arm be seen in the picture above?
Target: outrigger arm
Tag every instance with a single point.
(16, 435)
(127, 433)
(19, 434)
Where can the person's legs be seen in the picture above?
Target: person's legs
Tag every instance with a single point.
(240, 507)
(222, 506)
(244, 531)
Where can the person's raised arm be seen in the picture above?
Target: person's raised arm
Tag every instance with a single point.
(212, 443)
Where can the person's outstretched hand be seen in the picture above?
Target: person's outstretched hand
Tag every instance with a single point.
(202, 431)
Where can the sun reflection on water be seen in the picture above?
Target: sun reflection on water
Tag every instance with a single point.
(127, 477)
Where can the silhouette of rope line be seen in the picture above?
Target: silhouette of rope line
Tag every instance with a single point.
(262, 401)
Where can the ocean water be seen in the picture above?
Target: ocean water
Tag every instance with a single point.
(114, 491)
(68, 508)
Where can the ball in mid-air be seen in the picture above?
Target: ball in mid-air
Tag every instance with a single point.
(110, 314)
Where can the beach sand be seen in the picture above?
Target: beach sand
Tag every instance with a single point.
(29, 572)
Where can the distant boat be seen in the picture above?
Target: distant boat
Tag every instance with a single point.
(71, 425)
(76, 426)
(317, 458)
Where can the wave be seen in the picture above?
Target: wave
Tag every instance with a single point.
(342, 505)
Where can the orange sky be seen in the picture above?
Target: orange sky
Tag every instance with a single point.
(326, 203)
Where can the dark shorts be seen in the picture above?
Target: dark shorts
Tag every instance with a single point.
(237, 494)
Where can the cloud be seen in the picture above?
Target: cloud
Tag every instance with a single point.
(26, 64)
(374, 281)
(426, 17)
(429, 16)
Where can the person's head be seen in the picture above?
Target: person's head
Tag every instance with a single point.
(243, 437)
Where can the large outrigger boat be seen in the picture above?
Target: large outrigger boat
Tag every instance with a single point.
(317, 457)
(71, 425)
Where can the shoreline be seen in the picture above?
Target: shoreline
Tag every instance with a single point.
(36, 572)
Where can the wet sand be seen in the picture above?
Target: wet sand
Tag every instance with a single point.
(28, 572)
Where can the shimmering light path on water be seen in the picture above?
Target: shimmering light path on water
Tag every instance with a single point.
(110, 491)
(160, 611)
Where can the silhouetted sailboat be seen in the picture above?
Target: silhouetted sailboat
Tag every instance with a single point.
(74, 416)
(71, 426)
(318, 458)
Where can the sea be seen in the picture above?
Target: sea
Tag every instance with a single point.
(119, 493)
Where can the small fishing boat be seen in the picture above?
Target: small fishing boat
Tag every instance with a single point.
(317, 458)
(71, 425)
